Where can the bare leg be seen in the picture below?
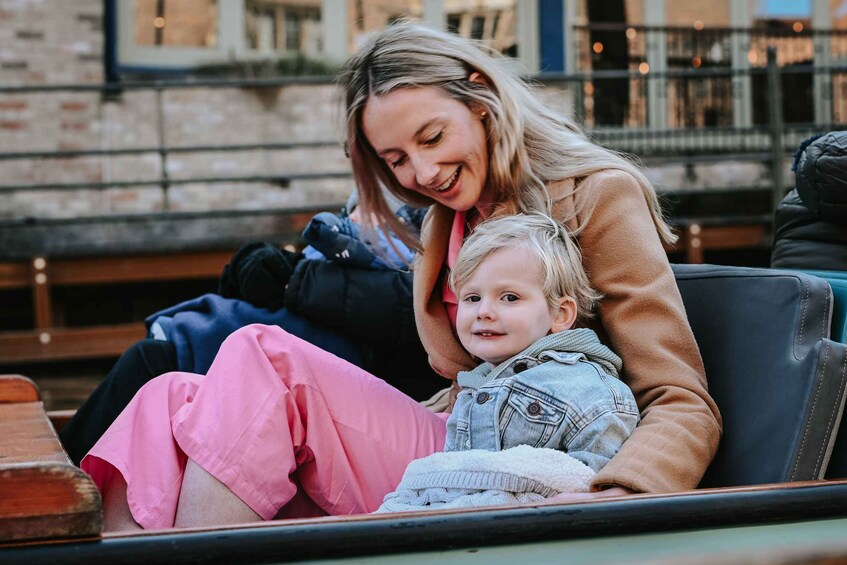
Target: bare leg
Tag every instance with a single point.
(116, 514)
(205, 501)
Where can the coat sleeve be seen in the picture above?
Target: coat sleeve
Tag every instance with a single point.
(644, 320)
(375, 304)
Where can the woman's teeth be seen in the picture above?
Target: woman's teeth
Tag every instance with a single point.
(449, 182)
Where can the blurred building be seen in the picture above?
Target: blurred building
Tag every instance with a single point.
(137, 129)
(610, 63)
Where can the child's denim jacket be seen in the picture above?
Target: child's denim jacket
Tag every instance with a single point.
(562, 392)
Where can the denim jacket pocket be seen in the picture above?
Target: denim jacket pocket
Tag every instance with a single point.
(457, 434)
(529, 419)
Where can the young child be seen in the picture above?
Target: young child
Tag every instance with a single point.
(521, 288)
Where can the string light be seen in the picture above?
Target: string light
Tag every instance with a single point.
(597, 47)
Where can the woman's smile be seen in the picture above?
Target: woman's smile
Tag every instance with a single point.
(450, 182)
(432, 143)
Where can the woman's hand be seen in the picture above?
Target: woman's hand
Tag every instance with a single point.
(580, 496)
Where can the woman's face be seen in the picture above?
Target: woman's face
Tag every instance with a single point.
(434, 144)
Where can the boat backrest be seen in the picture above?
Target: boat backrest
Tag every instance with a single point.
(777, 378)
(838, 282)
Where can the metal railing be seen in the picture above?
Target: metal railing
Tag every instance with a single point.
(163, 150)
(726, 66)
(690, 141)
(701, 46)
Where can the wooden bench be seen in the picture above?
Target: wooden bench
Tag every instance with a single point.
(697, 235)
(43, 494)
(48, 340)
(165, 248)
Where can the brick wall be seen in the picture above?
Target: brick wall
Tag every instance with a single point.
(51, 42)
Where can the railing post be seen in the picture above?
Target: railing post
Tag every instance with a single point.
(163, 149)
(579, 101)
(776, 127)
(742, 84)
(822, 39)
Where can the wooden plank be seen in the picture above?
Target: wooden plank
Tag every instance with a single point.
(43, 495)
(139, 268)
(69, 343)
(696, 238)
(47, 500)
(27, 436)
(17, 388)
(14, 275)
(734, 237)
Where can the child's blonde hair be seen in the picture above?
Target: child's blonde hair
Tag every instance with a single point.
(544, 238)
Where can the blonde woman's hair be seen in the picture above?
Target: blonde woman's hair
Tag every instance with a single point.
(529, 144)
(542, 237)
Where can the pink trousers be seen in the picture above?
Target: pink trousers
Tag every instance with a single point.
(273, 412)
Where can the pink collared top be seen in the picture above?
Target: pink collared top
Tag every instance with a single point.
(457, 237)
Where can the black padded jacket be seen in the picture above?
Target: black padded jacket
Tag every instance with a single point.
(373, 304)
(810, 226)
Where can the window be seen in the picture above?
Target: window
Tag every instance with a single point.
(786, 26)
(838, 55)
(188, 33)
(183, 34)
(477, 27)
(699, 39)
(303, 31)
(454, 22)
(183, 23)
(366, 16)
(492, 21)
(285, 26)
(261, 30)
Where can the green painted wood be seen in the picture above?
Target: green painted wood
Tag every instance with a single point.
(795, 542)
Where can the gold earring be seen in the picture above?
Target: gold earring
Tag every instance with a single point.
(482, 115)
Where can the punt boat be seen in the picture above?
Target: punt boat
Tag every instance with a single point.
(773, 345)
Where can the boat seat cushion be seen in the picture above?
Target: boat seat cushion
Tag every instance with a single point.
(777, 378)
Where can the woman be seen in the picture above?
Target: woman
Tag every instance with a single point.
(278, 425)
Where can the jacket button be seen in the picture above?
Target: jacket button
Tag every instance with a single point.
(520, 367)
(482, 397)
(534, 408)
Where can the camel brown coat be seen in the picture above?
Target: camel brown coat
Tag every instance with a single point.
(641, 317)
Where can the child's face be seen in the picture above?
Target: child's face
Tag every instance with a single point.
(503, 309)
